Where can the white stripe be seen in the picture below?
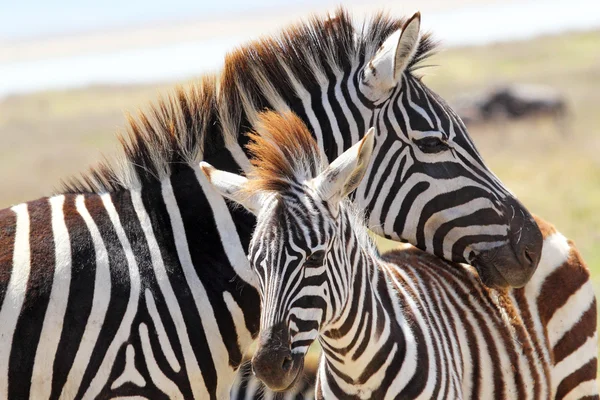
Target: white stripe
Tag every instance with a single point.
(163, 383)
(459, 232)
(376, 218)
(409, 366)
(244, 336)
(305, 98)
(365, 112)
(192, 368)
(335, 129)
(555, 251)
(124, 330)
(163, 339)
(448, 214)
(15, 292)
(339, 96)
(41, 379)
(238, 155)
(575, 360)
(588, 388)
(100, 301)
(565, 318)
(218, 351)
(361, 194)
(230, 239)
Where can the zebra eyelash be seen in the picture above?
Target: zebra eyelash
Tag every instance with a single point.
(316, 259)
(431, 145)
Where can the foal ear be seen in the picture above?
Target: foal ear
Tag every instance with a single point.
(230, 186)
(345, 173)
(385, 69)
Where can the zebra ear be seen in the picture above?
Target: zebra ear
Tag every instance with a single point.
(230, 186)
(385, 69)
(345, 173)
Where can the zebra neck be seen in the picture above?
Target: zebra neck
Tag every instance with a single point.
(358, 351)
(334, 109)
(201, 245)
(353, 342)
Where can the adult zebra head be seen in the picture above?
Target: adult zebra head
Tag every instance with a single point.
(302, 241)
(427, 183)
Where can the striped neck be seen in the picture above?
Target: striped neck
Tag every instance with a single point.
(353, 340)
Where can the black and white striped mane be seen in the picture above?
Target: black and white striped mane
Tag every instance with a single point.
(193, 123)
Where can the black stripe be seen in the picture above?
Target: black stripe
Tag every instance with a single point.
(39, 286)
(81, 294)
(8, 229)
(120, 286)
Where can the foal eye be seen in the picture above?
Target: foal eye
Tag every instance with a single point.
(315, 259)
(431, 144)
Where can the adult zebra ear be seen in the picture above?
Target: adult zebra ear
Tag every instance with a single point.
(345, 173)
(385, 69)
(230, 186)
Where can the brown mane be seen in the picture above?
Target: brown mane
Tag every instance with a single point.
(192, 123)
(283, 152)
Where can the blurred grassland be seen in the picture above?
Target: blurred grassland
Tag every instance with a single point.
(52, 135)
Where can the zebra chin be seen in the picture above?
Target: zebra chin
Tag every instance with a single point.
(273, 361)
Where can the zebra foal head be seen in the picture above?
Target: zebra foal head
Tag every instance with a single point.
(302, 241)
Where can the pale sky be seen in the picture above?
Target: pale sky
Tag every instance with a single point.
(22, 19)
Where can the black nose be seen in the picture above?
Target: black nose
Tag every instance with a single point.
(527, 241)
(513, 264)
(273, 362)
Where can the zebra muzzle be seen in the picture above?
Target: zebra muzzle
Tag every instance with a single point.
(273, 362)
(513, 263)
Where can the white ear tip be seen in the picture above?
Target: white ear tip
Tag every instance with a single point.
(207, 169)
(369, 136)
(368, 140)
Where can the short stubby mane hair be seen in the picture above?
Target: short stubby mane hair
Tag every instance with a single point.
(191, 124)
(283, 153)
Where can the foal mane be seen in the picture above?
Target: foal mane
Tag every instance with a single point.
(283, 153)
(191, 124)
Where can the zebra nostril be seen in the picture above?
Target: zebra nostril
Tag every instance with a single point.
(527, 253)
(287, 363)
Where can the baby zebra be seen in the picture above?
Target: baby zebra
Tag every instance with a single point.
(388, 329)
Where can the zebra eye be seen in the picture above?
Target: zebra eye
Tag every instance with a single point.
(431, 144)
(315, 259)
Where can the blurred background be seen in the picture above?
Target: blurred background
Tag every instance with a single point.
(525, 75)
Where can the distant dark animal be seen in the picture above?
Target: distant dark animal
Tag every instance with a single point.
(515, 101)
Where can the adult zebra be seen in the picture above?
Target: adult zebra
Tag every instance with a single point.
(405, 326)
(135, 280)
(557, 307)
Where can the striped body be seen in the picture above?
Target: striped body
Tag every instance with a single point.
(407, 325)
(557, 308)
(106, 296)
